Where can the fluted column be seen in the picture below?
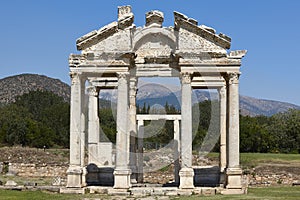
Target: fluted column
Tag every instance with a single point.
(233, 170)
(93, 125)
(222, 101)
(186, 173)
(74, 171)
(132, 128)
(176, 150)
(122, 171)
(140, 156)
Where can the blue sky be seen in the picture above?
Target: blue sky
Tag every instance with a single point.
(38, 36)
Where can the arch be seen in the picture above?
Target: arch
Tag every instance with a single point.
(146, 33)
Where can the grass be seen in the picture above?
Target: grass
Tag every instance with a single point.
(268, 193)
(255, 159)
(22, 180)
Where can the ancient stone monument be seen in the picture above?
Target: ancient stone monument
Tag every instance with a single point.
(115, 56)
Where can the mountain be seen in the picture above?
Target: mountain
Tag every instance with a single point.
(150, 93)
(14, 86)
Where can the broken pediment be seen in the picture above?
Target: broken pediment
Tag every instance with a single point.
(154, 41)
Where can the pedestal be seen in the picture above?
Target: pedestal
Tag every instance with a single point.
(186, 178)
(74, 177)
(122, 178)
(233, 178)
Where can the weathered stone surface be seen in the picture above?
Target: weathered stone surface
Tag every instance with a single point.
(121, 53)
(11, 183)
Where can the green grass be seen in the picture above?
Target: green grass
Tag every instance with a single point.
(254, 159)
(268, 193)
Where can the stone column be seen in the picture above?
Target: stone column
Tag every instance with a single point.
(140, 156)
(122, 172)
(223, 154)
(176, 150)
(93, 125)
(233, 170)
(132, 129)
(186, 173)
(74, 172)
(83, 132)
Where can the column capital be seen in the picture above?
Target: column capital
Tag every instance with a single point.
(123, 75)
(75, 77)
(185, 77)
(222, 91)
(233, 77)
(93, 91)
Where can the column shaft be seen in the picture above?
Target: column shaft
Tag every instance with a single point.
(223, 154)
(140, 157)
(186, 173)
(122, 171)
(133, 129)
(233, 170)
(93, 126)
(176, 150)
(233, 122)
(75, 170)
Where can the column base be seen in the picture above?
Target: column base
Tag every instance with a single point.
(186, 178)
(234, 178)
(122, 178)
(222, 178)
(74, 177)
(133, 176)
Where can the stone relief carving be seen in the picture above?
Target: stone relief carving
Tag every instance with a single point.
(233, 78)
(188, 40)
(185, 78)
(93, 91)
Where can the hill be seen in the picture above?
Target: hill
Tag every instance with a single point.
(14, 86)
(149, 93)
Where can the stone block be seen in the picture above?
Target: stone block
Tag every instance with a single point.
(122, 178)
(158, 192)
(184, 192)
(105, 153)
(123, 192)
(98, 190)
(233, 191)
(186, 178)
(72, 190)
(141, 192)
(208, 191)
(11, 183)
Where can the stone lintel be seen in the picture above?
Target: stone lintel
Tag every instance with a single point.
(182, 21)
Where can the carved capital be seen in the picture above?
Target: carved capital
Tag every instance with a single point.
(222, 92)
(233, 78)
(185, 78)
(123, 75)
(75, 78)
(93, 91)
